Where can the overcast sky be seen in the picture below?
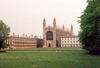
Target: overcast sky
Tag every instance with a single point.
(26, 16)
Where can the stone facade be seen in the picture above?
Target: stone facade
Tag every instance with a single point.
(40, 43)
(70, 41)
(52, 35)
(16, 42)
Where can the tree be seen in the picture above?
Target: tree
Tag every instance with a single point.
(89, 34)
(4, 34)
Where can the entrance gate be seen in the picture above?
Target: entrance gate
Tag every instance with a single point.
(49, 45)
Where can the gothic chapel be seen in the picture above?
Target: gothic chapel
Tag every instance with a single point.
(52, 35)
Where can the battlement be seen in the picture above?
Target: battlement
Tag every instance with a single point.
(63, 28)
(24, 36)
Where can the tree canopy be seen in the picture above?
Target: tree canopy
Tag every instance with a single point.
(89, 34)
(4, 34)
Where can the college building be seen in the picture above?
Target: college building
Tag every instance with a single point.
(70, 41)
(52, 35)
(16, 42)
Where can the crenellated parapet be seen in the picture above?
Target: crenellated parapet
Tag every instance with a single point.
(63, 28)
(23, 36)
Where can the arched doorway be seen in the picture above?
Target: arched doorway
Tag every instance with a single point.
(49, 45)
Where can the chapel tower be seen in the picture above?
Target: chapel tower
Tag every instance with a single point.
(52, 34)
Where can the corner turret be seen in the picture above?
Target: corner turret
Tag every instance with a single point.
(44, 23)
(63, 27)
(54, 22)
(71, 28)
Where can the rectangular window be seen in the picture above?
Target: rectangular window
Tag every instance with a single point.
(65, 45)
(70, 45)
(76, 45)
(73, 45)
(62, 45)
(77, 38)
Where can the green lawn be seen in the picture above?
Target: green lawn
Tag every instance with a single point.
(48, 58)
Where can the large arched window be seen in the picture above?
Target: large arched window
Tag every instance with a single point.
(49, 35)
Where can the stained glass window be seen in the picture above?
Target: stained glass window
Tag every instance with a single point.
(49, 35)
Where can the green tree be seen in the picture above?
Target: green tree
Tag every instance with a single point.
(4, 34)
(89, 34)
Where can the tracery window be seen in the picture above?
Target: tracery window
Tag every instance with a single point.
(49, 35)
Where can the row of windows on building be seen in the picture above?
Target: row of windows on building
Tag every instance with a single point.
(70, 45)
(15, 41)
(24, 44)
(69, 42)
(69, 38)
(19, 41)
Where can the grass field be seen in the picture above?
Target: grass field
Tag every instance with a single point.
(48, 58)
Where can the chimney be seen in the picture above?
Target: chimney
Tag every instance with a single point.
(23, 35)
(40, 37)
(26, 36)
(18, 35)
(13, 34)
(31, 36)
